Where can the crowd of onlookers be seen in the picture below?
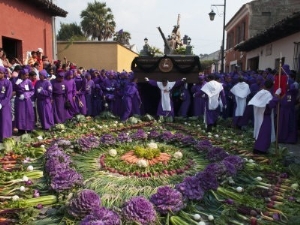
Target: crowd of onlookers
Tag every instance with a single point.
(39, 91)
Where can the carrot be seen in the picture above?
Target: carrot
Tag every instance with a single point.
(8, 162)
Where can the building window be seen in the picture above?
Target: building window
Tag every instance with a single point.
(266, 13)
(269, 49)
(230, 41)
(242, 34)
(296, 65)
(237, 35)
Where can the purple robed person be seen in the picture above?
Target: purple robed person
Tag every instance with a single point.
(136, 102)
(24, 113)
(97, 100)
(5, 107)
(185, 98)
(80, 83)
(227, 85)
(89, 88)
(109, 86)
(43, 94)
(240, 91)
(214, 92)
(165, 106)
(248, 117)
(130, 93)
(59, 98)
(198, 100)
(70, 94)
(288, 130)
(263, 104)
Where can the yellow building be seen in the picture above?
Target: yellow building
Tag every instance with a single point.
(108, 55)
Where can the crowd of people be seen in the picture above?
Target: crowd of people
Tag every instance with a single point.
(48, 93)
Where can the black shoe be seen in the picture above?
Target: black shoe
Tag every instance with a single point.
(255, 151)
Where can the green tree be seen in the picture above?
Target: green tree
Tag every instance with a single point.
(70, 31)
(98, 21)
(122, 37)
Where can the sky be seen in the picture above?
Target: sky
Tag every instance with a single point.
(142, 17)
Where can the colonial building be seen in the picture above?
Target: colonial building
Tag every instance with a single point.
(282, 40)
(108, 55)
(28, 25)
(252, 19)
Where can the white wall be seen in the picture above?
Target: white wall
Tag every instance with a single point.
(284, 46)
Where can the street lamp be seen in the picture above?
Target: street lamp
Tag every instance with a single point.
(212, 17)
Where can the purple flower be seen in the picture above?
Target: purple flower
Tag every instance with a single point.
(276, 216)
(230, 168)
(218, 169)
(101, 216)
(87, 143)
(123, 138)
(203, 146)
(229, 201)
(167, 200)
(216, 154)
(36, 193)
(139, 135)
(54, 165)
(39, 206)
(140, 210)
(188, 140)
(54, 152)
(190, 188)
(28, 183)
(154, 134)
(235, 160)
(177, 137)
(108, 139)
(207, 180)
(65, 180)
(84, 203)
(166, 136)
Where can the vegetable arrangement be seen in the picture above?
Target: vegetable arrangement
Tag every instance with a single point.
(143, 172)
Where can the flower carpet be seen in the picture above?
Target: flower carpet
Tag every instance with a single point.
(102, 171)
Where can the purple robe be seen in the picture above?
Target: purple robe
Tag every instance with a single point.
(136, 102)
(70, 95)
(89, 89)
(130, 91)
(288, 131)
(24, 113)
(198, 100)
(109, 86)
(117, 104)
(5, 111)
(97, 100)
(263, 140)
(211, 116)
(80, 95)
(160, 111)
(229, 111)
(185, 97)
(44, 105)
(58, 97)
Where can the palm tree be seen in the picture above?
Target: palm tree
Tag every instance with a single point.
(122, 37)
(98, 21)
